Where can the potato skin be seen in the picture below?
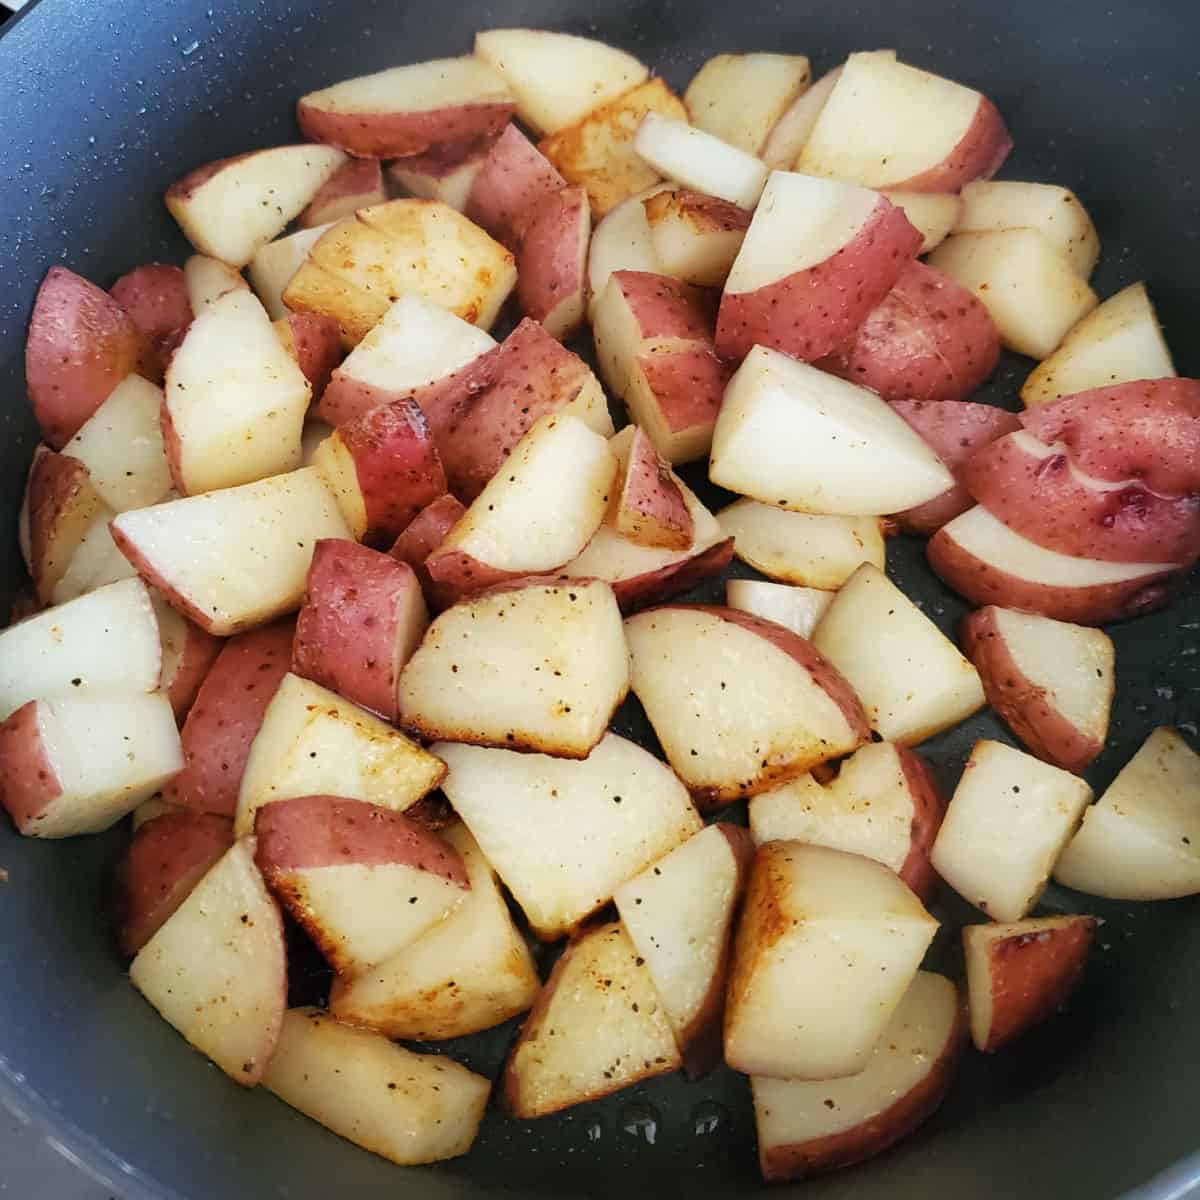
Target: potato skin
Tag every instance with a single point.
(314, 340)
(980, 153)
(1148, 430)
(155, 296)
(810, 313)
(29, 783)
(424, 534)
(929, 807)
(1044, 501)
(655, 587)
(354, 185)
(166, 858)
(81, 344)
(226, 716)
(930, 339)
(514, 177)
(552, 261)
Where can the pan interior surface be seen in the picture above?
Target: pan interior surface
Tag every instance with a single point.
(105, 105)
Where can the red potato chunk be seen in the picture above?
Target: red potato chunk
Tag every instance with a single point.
(424, 534)
(513, 178)
(354, 185)
(315, 342)
(552, 261)
(156, 298)
(649, 505)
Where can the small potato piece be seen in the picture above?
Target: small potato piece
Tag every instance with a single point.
(447, 173)
(740, 97)
(911, 678)
(363, 616)
(649, 507)
(425, 533)
(699, 161)
(807, 549)
(795, 608)
(932, 214)
(513, 178)
(208, 279)
(621, 242)
(315, 342)
(408, 1108)
(598, 151)
(356, 184)
(81, 344)
(271, 270)
(156, 298)
(1027, 284)
(552, 261)
(1020, 973)
(540, 665)
(1009, 820)
(695, 238)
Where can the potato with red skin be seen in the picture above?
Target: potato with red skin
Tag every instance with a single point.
(695, 237)
(446, 173)
(364, 881)
(226, 716)
(983, 560)
(406, 110)
(955, 429)
(649, 507)
(930, 339)
(1019, 974)
(354, 185)
(81, 344)
(552, 261)
(167, 857)
(514, 177)
(861, 243)
(383, 468)
(1036, 490)
(1148, 430)
(363, 616)
(315, 342)
(156, 298)
(188, 653)
(423, 535)
(60, 506)
(478, 421)
(1050, 681)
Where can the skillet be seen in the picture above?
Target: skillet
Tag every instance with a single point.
(106, 104)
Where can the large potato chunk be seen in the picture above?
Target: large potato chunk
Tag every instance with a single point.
(557, 78)
(314, 743)
(469, 972)
(805, 1127)
(695, 238)
(1008, 821)
(1140, 842)
(406, 110)
(911, 678)
(827, 946)
(762, 706)
(233, 559)
(234, 400)
(679, 916)
(890, 125)
(409, 1108)
(512, 178)
(597, 1027)
(230, 208)
(217, 971)
(791, 435)
(564, 834)
(363, 263)
(78, 763)
(740, 97)
(540, 665)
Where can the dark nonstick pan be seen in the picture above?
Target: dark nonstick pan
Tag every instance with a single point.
(104, 105)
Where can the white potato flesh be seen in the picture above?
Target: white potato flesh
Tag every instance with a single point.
(122, 447)
(216, 970)
(740, 97)
(1008, 821)
(409, 1108)
(249, 200)
(469, 972)
(796, 608)
(808, 549)
(1118, 342)
(235, 399)
(415, 344)
(540, 667)
(542, 507)
(799, 222)
(273, 265)
(827, 945)
(677, 914)
(700, 161)
(867, 809)
(598, 1027)
(107, 639)
(1029, 287)
(95, 562)
(1142, 840)
(994, 204)
(932, 214)
(622, 242)
(912, 679)
(733, 712)
(108, 751)
(565, 834)
(792, 435)
(208, 279)
(314, 743)
(886, 122)
(414, 88)
(557, 78)
(238, 557)
(690, 249)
